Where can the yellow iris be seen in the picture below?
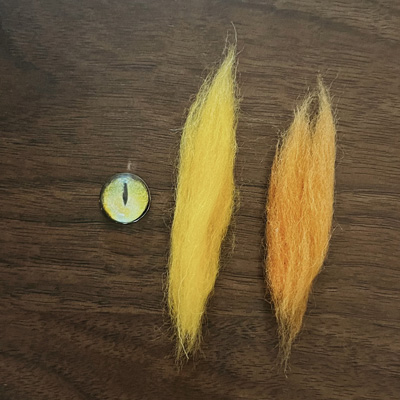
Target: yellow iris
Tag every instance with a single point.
(125, 198)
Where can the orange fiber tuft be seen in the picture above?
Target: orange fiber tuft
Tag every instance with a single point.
(299, 212)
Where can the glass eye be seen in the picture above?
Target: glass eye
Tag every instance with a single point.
(125, 198)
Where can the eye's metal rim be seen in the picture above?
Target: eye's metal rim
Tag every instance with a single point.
(121, 175)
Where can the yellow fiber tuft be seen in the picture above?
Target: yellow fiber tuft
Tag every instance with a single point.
(299, 212)
(204, 202)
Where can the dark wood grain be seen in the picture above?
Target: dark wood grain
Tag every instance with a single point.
(92, 88)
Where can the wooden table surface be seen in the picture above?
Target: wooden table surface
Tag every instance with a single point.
(92, 88)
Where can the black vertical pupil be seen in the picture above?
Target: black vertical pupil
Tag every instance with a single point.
(125, 194)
